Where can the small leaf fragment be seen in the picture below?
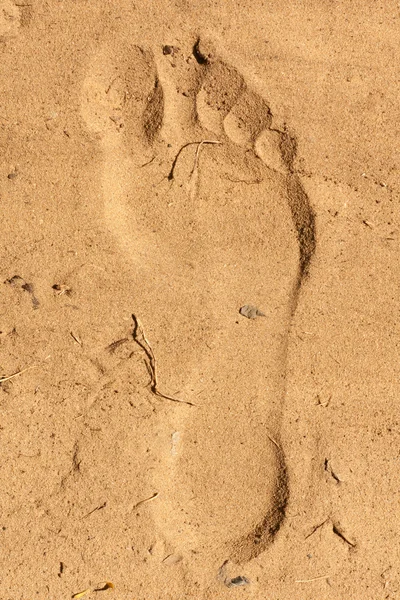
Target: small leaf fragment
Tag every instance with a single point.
(81, 594)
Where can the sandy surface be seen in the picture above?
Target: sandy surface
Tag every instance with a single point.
(163, 165)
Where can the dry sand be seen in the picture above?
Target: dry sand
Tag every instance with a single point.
(151, 435)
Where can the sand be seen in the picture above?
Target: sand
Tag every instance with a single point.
(163, 166)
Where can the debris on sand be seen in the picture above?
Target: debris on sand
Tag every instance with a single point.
(251, 312)
(167, 49)
(60, 289)
(17, 281)
(81, 594)
(237, 581)
(140, 338)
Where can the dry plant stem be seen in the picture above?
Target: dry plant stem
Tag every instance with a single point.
(95, 509)
(2, 379)
(337, 531)
(317, 527)
(146, 500)
(81, 594)
(171, 173)
(114, 345)
(199, 146)
(274, 442)
(151, 365)
(193, 178)
(77, 340)
(313, 579)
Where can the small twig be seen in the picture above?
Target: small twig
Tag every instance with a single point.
(222, 571)
(148, 162)
(111, 84)
(94, 510)
(337, 531)
(114, 345)
(368, 223)
(193, 177)
(274, 442)
(171, 173)
(74, 337)
(151, 364)
(313, 579)
(200, 145)
(146, 500)
(253, 182)
(2, 379)
(335, 359)
(316, 528)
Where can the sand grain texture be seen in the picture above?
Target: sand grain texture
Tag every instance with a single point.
(176, 162)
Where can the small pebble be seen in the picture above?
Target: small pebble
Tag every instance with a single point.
(169, 50)
(236, 581)
(251, 312)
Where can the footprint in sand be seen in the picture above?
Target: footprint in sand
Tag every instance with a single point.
(208, 228)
